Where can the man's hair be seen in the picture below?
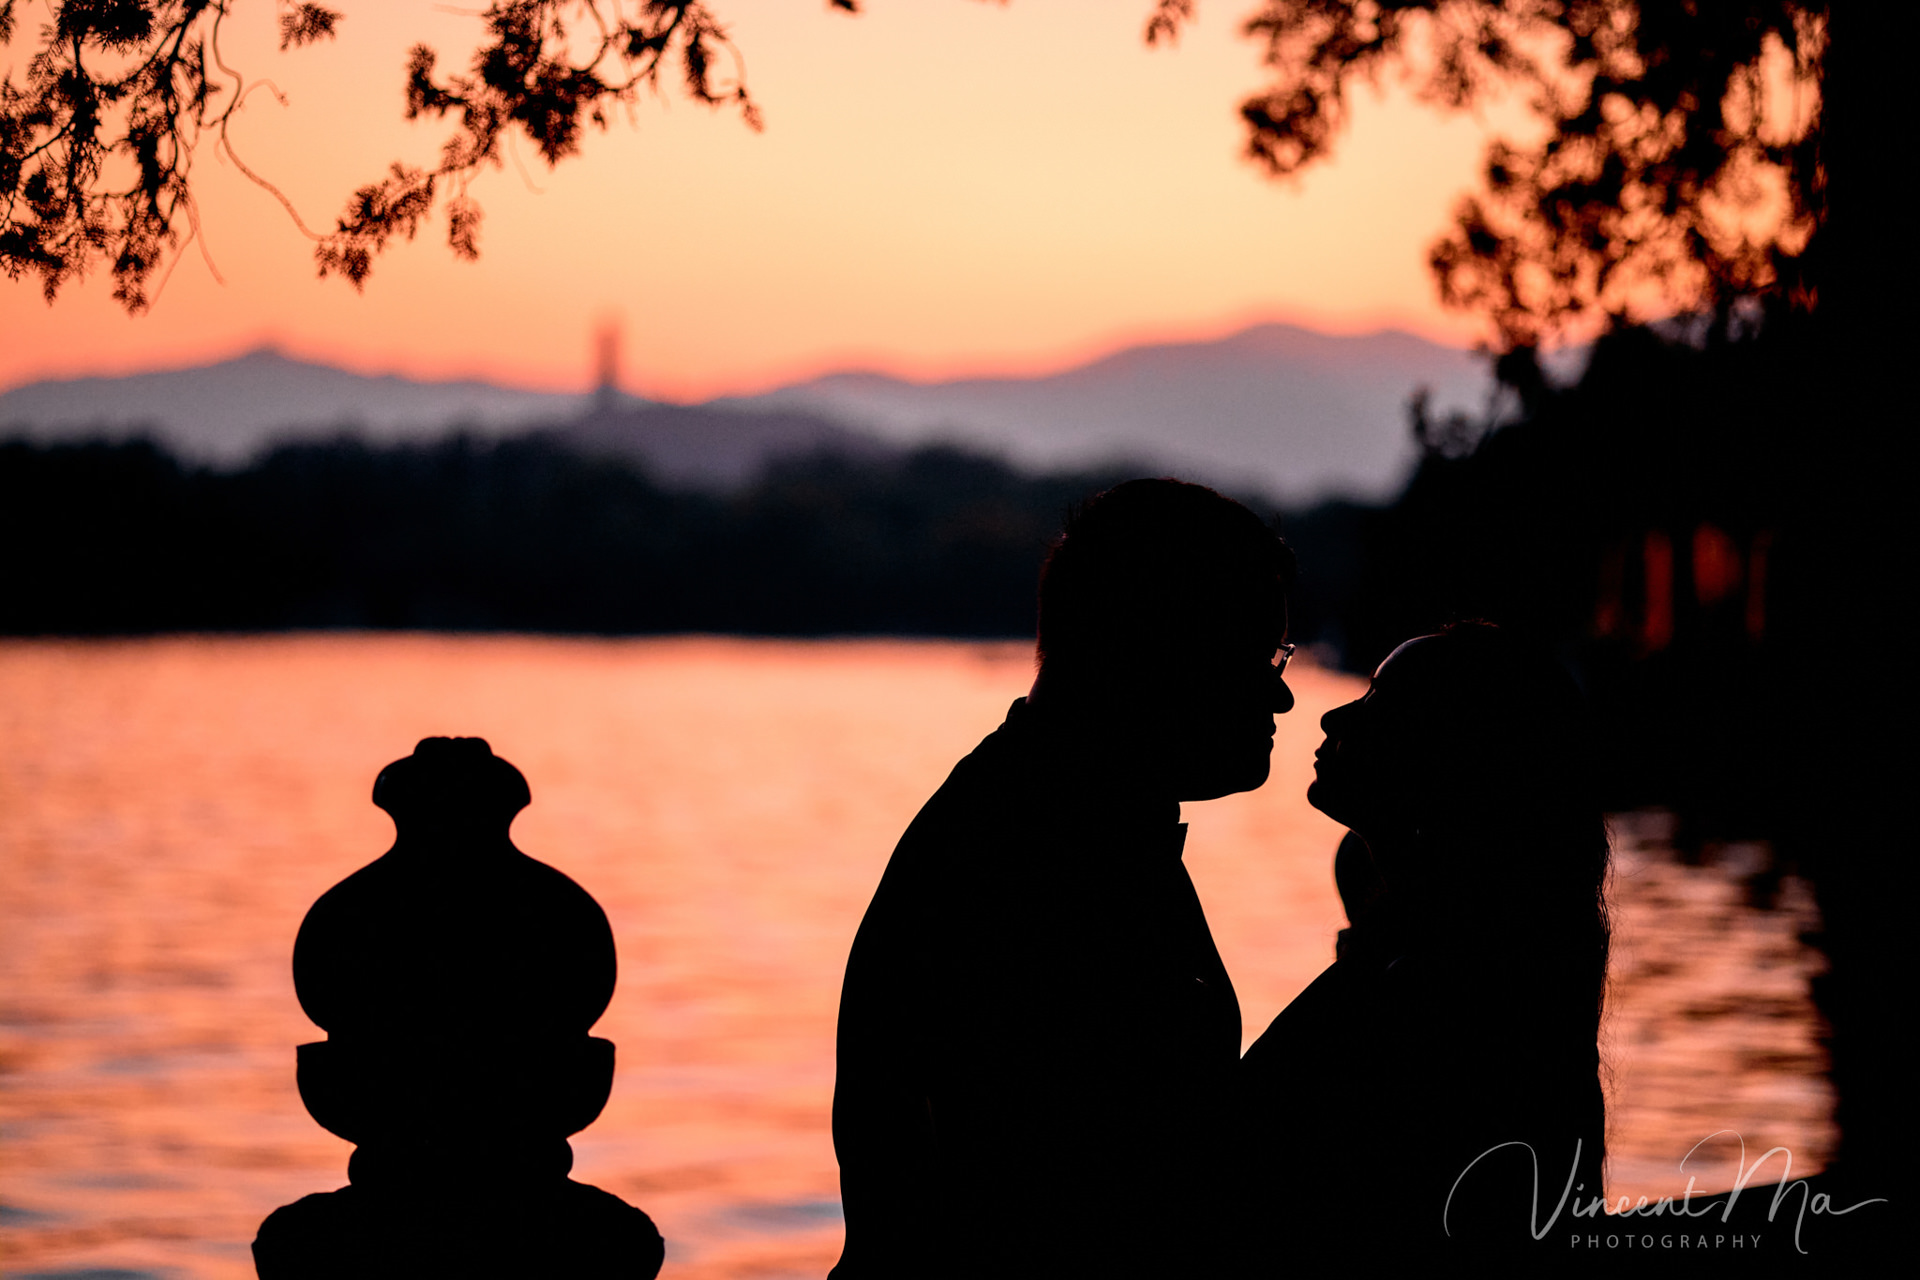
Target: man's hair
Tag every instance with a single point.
(1138, 565)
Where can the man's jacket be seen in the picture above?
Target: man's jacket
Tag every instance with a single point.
(1037, 1039)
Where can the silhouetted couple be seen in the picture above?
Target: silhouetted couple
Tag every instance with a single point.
(1039, 1048)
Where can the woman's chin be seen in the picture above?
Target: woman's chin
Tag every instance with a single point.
(1327, 800)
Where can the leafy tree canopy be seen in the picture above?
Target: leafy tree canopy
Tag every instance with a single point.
(1680, 156)
(1679, 162)
(97, 136)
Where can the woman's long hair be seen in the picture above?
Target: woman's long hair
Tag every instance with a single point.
(1496, 781)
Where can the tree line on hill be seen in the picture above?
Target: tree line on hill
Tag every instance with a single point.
(523, 534)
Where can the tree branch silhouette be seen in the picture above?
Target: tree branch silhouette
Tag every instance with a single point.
(98, 135)
(527, 76)
(1680, 165)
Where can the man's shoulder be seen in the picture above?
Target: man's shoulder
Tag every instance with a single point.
(989, 791)
(975, 828)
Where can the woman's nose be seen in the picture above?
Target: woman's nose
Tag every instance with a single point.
(1330, 723)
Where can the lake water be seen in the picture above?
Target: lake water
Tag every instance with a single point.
(169, 809)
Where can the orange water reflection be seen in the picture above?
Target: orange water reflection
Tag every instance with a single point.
(169, 808)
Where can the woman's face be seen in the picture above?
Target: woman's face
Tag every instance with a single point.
(1366, 771)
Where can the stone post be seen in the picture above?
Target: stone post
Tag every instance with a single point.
(456, 979)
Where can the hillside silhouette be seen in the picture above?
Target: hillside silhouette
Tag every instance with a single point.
(524, 534)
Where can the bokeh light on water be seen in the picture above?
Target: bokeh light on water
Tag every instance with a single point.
(169, 809)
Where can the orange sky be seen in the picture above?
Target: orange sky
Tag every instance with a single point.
(943, 187)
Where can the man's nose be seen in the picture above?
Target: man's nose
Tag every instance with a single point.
(1282, 697)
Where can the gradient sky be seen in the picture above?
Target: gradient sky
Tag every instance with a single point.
(944, 187)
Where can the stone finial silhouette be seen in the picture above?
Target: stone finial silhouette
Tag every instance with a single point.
(456, 979)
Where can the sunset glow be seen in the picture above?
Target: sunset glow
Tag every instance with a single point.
(941, 188)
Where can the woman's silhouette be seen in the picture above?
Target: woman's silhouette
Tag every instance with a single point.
(1462, 1011)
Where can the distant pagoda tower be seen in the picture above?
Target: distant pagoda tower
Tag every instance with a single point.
(606, 365)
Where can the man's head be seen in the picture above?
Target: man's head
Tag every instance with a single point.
(1161, 608)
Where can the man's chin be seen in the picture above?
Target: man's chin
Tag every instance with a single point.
(1229, 780)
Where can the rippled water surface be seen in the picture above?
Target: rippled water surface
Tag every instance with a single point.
(169, 809)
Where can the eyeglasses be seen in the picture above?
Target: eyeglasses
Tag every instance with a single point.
(1282, 655)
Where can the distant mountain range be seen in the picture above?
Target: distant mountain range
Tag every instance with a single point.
(1297, 414)
(226, 413)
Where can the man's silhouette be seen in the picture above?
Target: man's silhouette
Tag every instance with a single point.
(1037, 1039)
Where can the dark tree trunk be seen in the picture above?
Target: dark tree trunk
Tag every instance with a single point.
(1852, 829)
